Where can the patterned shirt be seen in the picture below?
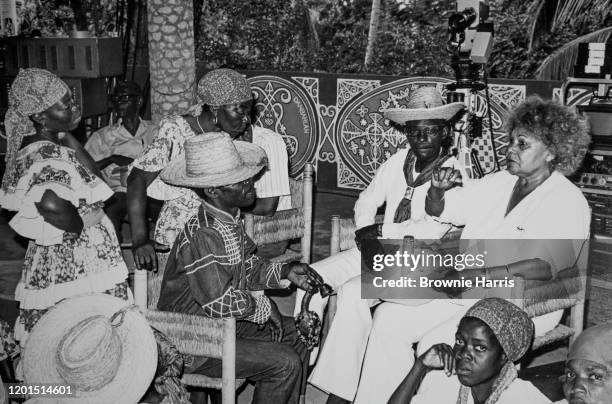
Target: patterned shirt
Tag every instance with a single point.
(116, 139)
(182, 203)
(213, 272)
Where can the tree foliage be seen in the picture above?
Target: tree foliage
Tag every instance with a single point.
(512, 56)
(277, 35)
(265, 35)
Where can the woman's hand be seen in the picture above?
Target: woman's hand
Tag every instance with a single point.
(444, 178)
(59, 212)
(439, 356)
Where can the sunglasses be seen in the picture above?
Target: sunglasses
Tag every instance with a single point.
(431, 131)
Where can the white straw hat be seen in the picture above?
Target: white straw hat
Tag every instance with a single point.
(98, 344)
(214, 160)
(424, 103)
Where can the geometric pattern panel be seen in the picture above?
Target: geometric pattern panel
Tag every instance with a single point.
(339, 120)
(364, 139)
(289, 109)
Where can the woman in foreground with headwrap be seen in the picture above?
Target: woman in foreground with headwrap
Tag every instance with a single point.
(54, 186)
(588, 369)
(492, 335)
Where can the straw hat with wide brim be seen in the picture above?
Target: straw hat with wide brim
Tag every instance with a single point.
(214, 160)
(98, 344)
(424, 103)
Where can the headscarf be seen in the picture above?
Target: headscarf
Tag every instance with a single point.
(221, 87)
(510, 324)
(33, 91)
(593, 344)
(513, 329)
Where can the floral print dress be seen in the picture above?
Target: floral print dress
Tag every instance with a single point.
(58, 266)
(179, 203)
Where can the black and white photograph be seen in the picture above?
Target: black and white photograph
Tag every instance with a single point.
(305, 201)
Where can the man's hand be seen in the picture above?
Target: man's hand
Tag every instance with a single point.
(439, 356)
(275, 322)
(302, 275)
(144, 255)
(444, 178)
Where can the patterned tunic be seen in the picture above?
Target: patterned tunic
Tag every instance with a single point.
(181, 203)
(212, 270)
(56, 266)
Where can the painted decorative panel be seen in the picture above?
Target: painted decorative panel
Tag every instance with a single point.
(337, 121)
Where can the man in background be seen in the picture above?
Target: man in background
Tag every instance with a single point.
(115, 146)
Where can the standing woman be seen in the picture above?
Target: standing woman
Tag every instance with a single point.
(55, 188)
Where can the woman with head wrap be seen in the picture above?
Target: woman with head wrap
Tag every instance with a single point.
(224, 103)
(492, 335)
(51, 182)
(588, 369)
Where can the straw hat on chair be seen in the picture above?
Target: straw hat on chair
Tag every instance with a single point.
(98, 344)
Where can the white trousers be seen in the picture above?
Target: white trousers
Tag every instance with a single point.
(364, 359)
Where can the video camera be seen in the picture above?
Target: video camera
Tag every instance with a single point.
(470, 41)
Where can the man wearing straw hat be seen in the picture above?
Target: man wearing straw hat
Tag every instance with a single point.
(212, 269)
(401, 184)
(224, 103)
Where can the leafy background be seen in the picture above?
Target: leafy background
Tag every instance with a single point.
(533, 38)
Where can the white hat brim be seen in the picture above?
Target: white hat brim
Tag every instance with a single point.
(403, 115)
(139, 350)
(253, 156)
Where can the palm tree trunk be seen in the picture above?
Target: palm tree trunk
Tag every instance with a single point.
(372, 32)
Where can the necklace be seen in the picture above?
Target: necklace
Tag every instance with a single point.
(199, 126)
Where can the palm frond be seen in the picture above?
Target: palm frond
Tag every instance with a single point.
(559, 65)
(537, 11)
(567, 10)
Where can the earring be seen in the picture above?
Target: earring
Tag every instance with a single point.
(215, 119)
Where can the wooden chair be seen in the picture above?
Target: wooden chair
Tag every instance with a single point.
(191, 334)
(567, 291)
(200, 336)
(290, 224)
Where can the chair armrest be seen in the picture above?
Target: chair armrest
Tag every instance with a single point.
(542, 297)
